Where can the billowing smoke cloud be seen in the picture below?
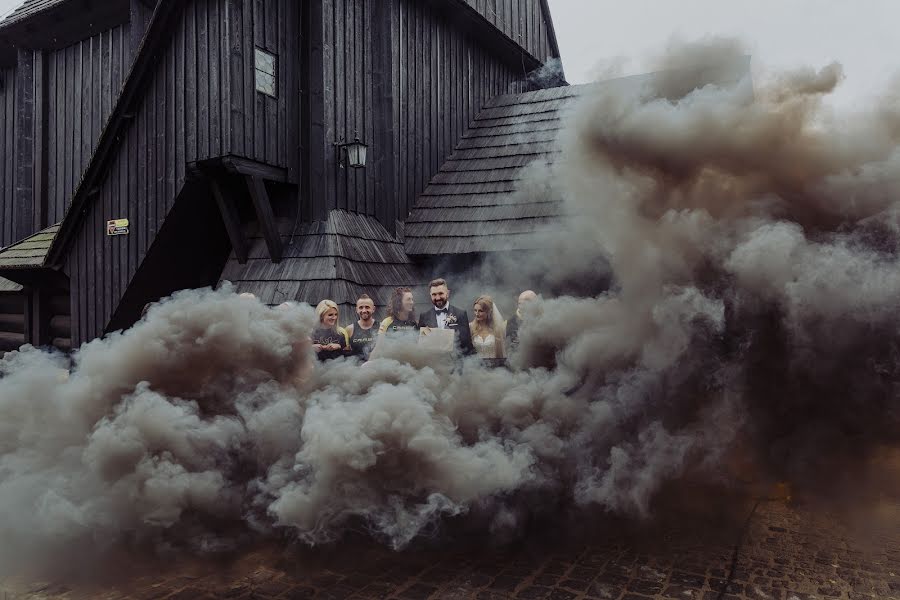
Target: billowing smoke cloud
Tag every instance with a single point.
(741, 246)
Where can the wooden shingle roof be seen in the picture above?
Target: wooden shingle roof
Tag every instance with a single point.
(9, 286)
(29, 8)
(339, 258)
(31, 252)
(490, 195)
(481, 200)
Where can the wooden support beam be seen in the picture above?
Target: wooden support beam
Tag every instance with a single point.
(228, 210)
(265, 215)
(253, 168)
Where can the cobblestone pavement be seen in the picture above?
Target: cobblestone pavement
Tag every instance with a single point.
(770, 551)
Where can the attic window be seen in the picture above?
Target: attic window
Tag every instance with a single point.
(266, 73)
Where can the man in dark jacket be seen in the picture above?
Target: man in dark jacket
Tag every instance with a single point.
(514, 323)
(444, 316)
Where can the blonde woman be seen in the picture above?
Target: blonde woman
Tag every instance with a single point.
(487, 329)
(328, 340)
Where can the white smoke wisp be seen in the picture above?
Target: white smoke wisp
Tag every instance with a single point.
(751, 244)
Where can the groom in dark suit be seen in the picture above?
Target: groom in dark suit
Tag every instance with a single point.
(444, 316)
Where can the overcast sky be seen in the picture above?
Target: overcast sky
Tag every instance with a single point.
(863, 35)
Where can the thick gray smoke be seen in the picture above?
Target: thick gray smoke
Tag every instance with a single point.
(750, 244)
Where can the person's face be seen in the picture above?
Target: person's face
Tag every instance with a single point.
(364, 310)
(407, 302)
(480, 313)
(525, 298)
(439, 296)
(329, 319)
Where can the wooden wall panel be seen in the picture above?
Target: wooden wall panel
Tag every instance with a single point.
(440, 77)
(193, 109)
(7, 156)
(259, 128)
(84, 81)
(523, 21)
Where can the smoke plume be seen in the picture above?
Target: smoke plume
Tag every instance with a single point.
(730, 255)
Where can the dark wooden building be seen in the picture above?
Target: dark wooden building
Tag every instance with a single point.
(223, 131)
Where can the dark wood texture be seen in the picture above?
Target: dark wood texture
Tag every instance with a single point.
(23, 197)
(440, 75)
(174, 118)
(339, 259)
(7, 156)
(265, 216)
(230, 218)
(526, 22)
(482, 200)
(84, 81)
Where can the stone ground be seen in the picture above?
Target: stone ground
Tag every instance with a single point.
(760, 548)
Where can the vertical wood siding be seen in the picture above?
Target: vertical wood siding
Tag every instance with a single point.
(200, 103)
(84, 82)
(521, 20)
(440, 78)
(259, 127)
(7, 156)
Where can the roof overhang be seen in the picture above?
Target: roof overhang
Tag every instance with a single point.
(59, 24)
(459, 11)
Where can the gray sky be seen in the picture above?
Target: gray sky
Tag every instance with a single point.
(860, 34)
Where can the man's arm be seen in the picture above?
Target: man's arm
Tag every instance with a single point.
(465, 334)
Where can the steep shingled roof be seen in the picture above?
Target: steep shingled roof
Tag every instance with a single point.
(339, 259)
(30, 252)
(478, 201)
(483, 200)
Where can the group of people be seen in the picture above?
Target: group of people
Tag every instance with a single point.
(487, 335)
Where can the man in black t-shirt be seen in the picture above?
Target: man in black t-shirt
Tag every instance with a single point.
(364, 332)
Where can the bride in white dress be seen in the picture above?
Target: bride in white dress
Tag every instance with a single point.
(487, 329)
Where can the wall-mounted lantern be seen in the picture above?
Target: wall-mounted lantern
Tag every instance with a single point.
(352, 154)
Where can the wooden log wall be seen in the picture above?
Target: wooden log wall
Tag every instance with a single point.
(7, 155)
(440, 77)
(521, 20)
(84, 81)
(200, 103)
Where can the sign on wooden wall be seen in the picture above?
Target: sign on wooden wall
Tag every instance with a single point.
(117, 227)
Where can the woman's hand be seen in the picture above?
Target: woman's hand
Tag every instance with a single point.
(318, 348)
(333, 347)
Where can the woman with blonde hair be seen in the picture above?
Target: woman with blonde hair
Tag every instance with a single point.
(487, 329)
(328, 340)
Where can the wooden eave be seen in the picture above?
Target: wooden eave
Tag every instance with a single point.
(506, 48)
(158, 33)
(54, 24)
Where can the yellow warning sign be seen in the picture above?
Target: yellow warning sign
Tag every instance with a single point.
(117, 227)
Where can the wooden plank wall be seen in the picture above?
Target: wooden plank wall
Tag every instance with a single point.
(259, 123)
(84, 82)
(7, 156)
(521, 20)
(440, 78)
(193, 109)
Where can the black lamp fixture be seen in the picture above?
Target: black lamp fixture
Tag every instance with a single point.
(352, 154)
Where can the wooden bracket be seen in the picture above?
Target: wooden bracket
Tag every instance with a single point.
(265, 215)
(228, 209)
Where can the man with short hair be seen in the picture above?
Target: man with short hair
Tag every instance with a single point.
(364, 332)
(444, 316)
(523, 312)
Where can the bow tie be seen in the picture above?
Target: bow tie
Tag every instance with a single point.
(441, 310)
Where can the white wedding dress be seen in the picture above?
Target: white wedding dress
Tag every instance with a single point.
(485, 347)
